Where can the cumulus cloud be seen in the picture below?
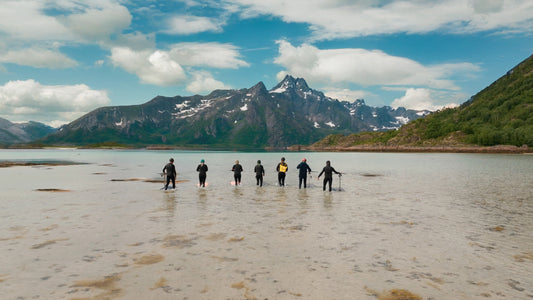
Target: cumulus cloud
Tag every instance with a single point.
(203, 82)
(345, 94)
(99, 21)
(41, 27)
(214, 55)
(420, 99)
(185, 24)
(46, 23)
(50, 104)
(135, 40)
(364, 67)
(152, 67)
(165, 68)
(72, 21)
(342, 19)
(39, 58)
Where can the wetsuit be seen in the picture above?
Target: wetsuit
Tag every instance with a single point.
(282, 169)
(202, 169)
(328, 176)
(237, 169)
(304, 168)
(170, 171)
(259, 173)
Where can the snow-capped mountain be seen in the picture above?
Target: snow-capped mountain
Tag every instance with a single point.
(288, 114)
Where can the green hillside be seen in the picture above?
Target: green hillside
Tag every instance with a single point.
(501, 114)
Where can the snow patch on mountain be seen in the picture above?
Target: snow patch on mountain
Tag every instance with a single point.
(186, 113)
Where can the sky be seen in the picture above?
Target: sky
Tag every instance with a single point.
(61, 59)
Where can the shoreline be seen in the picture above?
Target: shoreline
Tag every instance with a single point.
(500, 149)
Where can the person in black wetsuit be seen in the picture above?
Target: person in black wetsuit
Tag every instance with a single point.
(304, 169)
(237, 169)
(259, 173)
(170, 171)
(202, 169)
(328, 171)
(282, 169)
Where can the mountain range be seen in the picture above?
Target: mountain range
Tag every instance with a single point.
(11, 133)
(500, 114)
(290, 113)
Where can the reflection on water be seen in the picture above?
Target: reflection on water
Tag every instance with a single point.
(404, 226)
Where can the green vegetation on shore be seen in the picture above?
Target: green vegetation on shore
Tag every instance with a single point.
(501, 114)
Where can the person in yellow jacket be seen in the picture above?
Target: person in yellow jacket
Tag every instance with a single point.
(282, 169)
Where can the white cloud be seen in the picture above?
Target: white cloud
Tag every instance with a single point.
(135, 40)
(50, 104)
(33, 30)
(342, 19)
(185, 24)
(203, 82)
(345, 94)
(152, 67)
(364, 67)
(214, 55)
(39, 58)
(420, 99)
(98, 20)
(72, 21)
(41, 27)
(164, 68)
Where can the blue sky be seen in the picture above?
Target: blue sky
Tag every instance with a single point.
(61, 59)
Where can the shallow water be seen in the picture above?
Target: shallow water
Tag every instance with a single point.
(440, 226)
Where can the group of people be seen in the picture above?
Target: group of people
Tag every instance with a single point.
(170, 172)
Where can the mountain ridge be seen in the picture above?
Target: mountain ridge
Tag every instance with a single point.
(500, 114)
(249, 118)
(11, 133)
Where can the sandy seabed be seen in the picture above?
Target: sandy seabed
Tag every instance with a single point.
(96, 231)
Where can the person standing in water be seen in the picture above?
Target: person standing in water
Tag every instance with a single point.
(282, 169)
(259, 173)
(170, 171)
(237, 169)
(328, 171)
(304, 169)
(202, 175)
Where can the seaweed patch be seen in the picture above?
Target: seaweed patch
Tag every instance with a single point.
(149, 259)
(53, 190)
(178, 241)
(236, 239)
(108, 285)
(523, 256)
(47, 243)
(394, 294)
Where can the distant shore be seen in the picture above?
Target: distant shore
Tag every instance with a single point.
(501, 149)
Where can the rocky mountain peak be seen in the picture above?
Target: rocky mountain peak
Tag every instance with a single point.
(258, 89)
(291, 84)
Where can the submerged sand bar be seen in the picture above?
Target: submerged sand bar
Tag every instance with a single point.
(403, 226)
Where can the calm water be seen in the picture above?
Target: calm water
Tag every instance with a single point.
(441, 226)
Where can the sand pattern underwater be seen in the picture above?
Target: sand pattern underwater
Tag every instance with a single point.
(403, 226)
